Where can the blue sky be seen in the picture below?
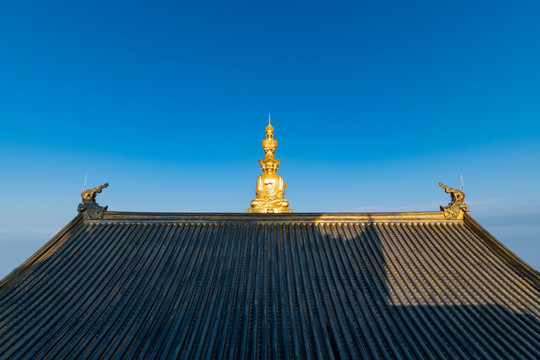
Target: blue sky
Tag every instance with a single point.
(373, 105)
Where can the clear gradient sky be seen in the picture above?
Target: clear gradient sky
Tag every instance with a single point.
(373, 104)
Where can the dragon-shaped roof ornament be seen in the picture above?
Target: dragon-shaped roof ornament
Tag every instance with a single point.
(89, 207)
(456, 208)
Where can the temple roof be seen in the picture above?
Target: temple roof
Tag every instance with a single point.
(162, 285)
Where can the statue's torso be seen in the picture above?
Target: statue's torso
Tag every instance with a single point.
(270, 186)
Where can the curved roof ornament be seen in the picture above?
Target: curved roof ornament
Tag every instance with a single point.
(89, 207)
(456, 208)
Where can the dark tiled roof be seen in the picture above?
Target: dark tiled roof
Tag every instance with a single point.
(275, 286)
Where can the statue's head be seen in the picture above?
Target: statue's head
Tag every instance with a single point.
(269, 166)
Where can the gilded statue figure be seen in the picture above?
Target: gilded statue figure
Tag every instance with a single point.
(270, 189)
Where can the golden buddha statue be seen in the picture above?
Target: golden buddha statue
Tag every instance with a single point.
(270, 189)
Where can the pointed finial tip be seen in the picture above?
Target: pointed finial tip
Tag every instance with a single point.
(269, 128)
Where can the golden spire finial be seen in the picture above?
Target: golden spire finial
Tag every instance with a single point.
(269, 130)
(270, 189)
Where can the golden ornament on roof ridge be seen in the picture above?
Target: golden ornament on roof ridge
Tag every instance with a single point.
(270, 188)
(457, 207)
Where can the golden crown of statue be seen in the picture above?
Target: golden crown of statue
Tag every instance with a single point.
(269, 146)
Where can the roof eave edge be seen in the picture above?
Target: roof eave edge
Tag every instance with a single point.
(521, 265)
(57, 240)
